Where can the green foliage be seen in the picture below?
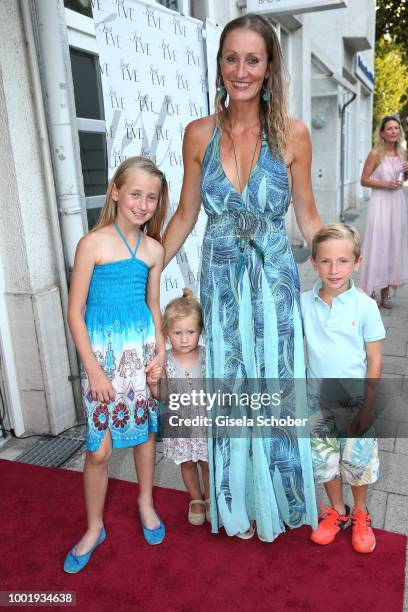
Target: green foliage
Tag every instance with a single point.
(391, 80)
(392, 22)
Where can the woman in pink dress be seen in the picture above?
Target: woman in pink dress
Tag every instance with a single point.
(385, 252)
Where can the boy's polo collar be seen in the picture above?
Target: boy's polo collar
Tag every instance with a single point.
(343, 297)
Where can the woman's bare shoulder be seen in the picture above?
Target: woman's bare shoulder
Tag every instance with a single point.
(198, 134)
(202, 126)
(374, 157)
(298, 142)
(297, 129)
(374, 153)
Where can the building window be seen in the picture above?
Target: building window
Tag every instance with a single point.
(198, 9)
(94, 162)
(87, 85)
(79, 6)
(91, 129)
(170, 4)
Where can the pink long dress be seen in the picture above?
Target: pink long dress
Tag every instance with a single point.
(385, 252)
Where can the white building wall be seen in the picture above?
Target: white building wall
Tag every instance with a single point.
(27, 257)
(332, 35)
(32, 224)
(224, 11)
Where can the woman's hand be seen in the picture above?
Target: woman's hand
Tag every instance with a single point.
(101, 386)
(392, 185)
(404, 167)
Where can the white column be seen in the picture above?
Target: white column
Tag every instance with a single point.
(58, 86)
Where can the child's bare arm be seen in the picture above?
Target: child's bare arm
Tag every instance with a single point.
(158, 387)
(101, 387)
(153, 301)
(364, 419)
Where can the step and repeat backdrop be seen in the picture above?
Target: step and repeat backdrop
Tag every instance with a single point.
(154, 80)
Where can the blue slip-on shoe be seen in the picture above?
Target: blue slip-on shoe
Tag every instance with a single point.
(154, 536)
(75, 563)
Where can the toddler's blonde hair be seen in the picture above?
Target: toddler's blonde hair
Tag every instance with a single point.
(337, 231)
(182, 307)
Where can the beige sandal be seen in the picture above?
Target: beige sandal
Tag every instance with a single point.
(247, 535)
(208, 510)
(196, 518)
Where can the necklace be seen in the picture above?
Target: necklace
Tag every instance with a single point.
(251, 167)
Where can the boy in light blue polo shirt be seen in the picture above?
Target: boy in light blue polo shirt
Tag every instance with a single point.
(343, 332)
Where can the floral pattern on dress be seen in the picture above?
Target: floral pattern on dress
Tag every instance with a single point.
(120, 415)
(141, 410)
(182, 380)
(100, 417)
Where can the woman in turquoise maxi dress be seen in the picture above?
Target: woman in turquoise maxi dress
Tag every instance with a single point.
(253, 331)
(250, 291)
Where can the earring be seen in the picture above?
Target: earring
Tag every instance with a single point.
(265, 94)
(222, 92)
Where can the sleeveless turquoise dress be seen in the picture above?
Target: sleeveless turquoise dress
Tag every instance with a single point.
(122, 336)
(253, 334)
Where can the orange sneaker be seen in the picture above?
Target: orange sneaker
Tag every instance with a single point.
(363, 538)
(330, 524)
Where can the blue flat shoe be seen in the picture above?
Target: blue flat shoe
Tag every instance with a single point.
(154, 536)
(75, 563)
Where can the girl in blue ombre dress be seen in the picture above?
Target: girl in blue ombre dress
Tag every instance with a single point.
(115, 320)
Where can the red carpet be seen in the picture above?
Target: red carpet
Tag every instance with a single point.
(42, 516)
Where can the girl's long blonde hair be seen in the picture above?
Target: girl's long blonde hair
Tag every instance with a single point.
(154, 226)
(380, 143)
(273, 112)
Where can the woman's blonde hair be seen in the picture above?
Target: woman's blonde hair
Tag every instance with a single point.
(182, 307)
(273, 111)
(380, 144)
(154, 226)
(337, 231)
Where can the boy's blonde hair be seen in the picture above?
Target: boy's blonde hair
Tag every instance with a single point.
(154, 226)
(337, 231)
(181, 307)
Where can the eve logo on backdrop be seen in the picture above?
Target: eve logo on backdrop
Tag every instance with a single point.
(168, 54)
(157, 79)
(142, 47)
(116, 100)
(129, 73)
(124, 11)
(192, 58)
(111, 38)
(133, 132)
(182, 83)
(153, 21)
(179, 29)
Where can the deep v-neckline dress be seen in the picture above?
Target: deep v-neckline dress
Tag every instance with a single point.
(253, 333)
